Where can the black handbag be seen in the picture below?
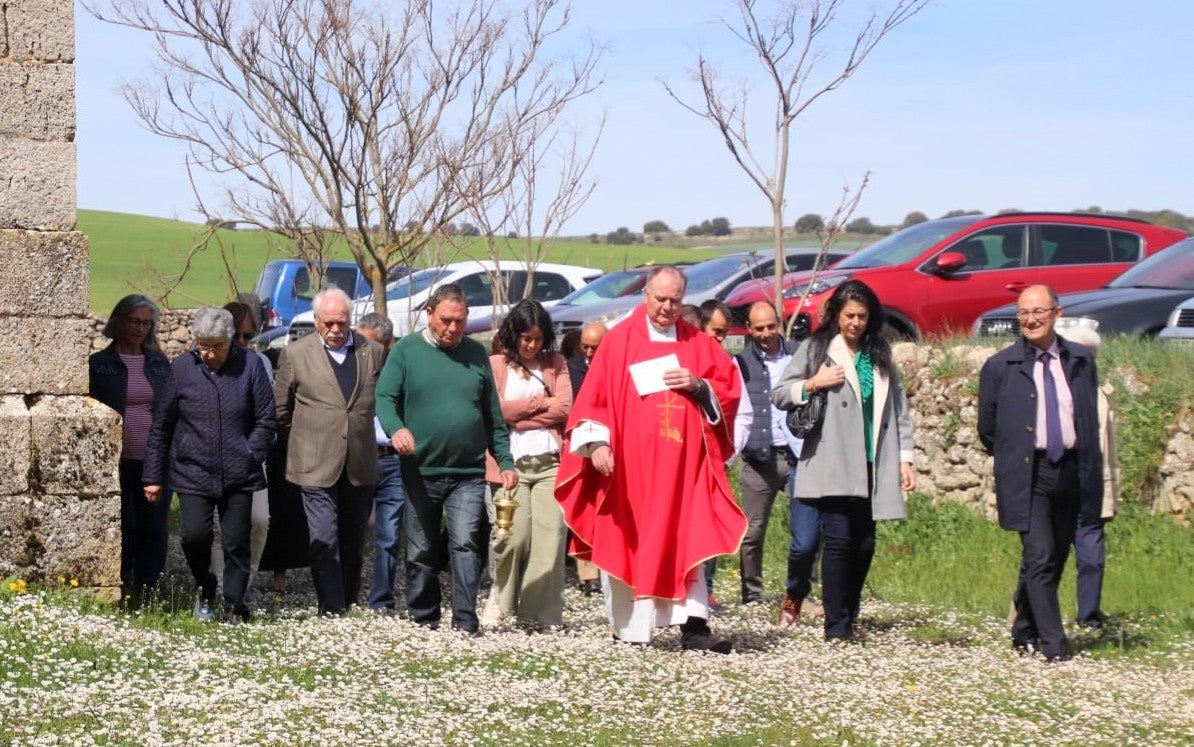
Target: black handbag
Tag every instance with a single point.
(806, 419)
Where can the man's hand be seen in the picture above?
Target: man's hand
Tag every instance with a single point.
(403, 441)
(153, 493)
(509, 479)
(603, 460)
(681, 379)
(907, 477)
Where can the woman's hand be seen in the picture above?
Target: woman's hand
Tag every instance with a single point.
(826, 378)
(907, 477)
(153, 493)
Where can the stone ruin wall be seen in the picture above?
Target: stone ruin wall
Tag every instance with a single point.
(59, 492)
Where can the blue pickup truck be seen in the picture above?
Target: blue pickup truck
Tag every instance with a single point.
(285, 287)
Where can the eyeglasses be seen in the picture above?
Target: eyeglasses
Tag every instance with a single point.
(588, 347)
(212, 349)
(1035, 313)
(138, 322)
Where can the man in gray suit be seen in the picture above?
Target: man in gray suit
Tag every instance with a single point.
(324, 394)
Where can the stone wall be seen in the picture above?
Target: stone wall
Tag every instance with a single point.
(59, 494)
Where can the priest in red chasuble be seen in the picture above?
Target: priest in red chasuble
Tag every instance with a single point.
(642, 480)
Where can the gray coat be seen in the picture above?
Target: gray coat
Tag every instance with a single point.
(833, 462)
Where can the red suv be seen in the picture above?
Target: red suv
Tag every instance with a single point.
(937, 277)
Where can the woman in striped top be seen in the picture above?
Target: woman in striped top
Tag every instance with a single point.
(128, 376)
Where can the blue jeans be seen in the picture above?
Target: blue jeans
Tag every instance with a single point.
(805, 524)
(445, 519)
(387, 529)
(804, 521)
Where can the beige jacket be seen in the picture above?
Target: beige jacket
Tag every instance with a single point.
(326, 435)
(1110, 451)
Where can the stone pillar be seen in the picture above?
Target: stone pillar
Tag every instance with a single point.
(59, 492)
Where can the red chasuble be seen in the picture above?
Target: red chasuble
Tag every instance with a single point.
(668, 506)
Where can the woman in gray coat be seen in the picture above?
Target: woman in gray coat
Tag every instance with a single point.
(855, 467)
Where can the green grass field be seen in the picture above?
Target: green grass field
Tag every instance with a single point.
(139, 254)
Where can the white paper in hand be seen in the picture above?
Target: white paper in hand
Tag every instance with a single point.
(648, 375)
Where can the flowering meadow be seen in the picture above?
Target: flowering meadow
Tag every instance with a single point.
(73, 672)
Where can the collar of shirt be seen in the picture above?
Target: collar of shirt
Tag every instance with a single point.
(340, 353)
(659, 335)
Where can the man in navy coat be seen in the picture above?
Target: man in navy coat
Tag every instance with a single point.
(1038, 417)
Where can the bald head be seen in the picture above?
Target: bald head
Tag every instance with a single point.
(763, 326)
(1037, 310)
(590, 338)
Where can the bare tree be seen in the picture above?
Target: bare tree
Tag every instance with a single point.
(346, 122)
(548, 185)
(791, 46)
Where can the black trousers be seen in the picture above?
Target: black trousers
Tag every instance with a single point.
(144, 532)
(849, 534)
(337, 519)
(1044, 549)
(234, 510)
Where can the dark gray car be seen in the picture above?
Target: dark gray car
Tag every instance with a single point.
(713, 278)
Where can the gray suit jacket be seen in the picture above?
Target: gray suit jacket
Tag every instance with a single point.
(325, 435)
(833, 462)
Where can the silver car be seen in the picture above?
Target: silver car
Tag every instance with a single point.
(1181, 324)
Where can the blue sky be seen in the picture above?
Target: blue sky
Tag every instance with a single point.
(972, 104)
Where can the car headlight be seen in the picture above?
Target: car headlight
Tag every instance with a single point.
(1065, 323)
(816, 287)
(610, 316)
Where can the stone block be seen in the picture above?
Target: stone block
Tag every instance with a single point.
(45, 273)
(37, 184)
(15, 435)
(38, 101)
(76, 446)
(43, 537)
(43, 356)
(39, 30)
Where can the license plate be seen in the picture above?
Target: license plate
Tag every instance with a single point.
(734, 343)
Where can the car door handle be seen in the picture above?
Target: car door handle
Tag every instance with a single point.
(1016, 286)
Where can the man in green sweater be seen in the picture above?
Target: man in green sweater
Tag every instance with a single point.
(437, 402)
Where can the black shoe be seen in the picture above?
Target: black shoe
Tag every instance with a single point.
(1058, 658)
(1027, 647)
(590, 587)
(696, 636)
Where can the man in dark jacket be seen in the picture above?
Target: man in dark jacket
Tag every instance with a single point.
(1038, 417)
(767, 460)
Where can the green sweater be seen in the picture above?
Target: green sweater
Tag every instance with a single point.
(447, 398)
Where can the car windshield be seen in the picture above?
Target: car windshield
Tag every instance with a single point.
(1171, 268)
(908, 244)
(610, 285)
(709, 274)
(413, 284)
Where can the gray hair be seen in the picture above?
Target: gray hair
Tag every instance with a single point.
(324, 295)
(379, 323)
(1084, 336)
(211, 323)
(128, 305)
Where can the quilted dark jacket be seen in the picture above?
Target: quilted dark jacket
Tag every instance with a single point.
(212, 429)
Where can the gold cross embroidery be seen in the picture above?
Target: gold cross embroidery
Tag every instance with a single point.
(666, 429)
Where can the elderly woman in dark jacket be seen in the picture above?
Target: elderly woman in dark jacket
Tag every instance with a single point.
(129, 376)
(211, 432)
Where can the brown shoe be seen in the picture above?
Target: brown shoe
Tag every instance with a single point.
(789, 612)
